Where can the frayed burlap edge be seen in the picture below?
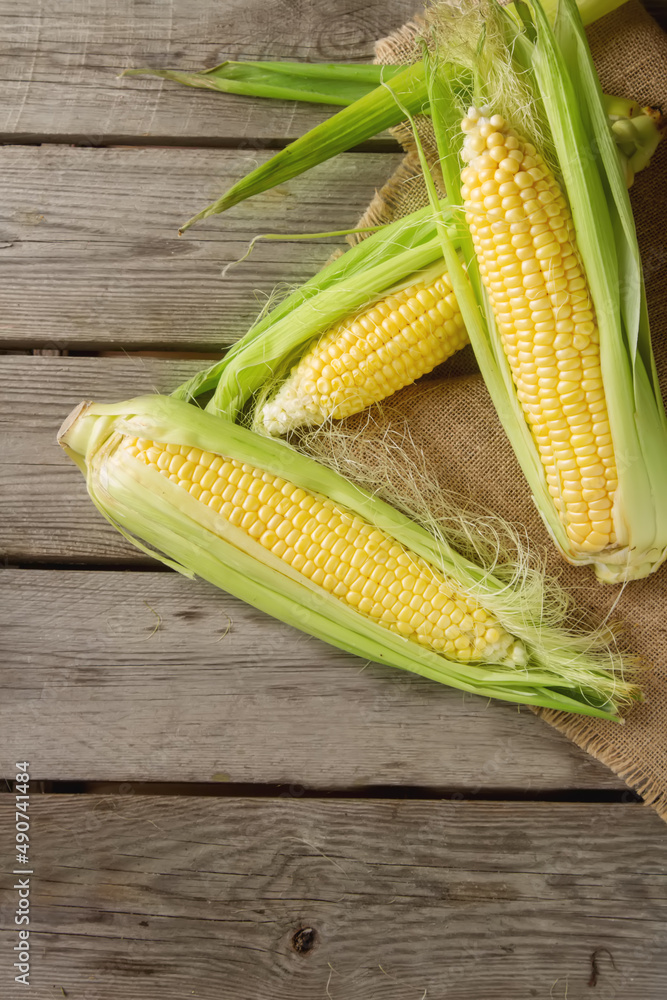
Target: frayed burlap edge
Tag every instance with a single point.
(580, 730)
(388, 50)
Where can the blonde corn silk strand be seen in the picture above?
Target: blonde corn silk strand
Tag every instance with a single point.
(469, 35)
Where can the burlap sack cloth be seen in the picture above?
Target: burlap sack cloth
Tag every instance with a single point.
(453, 422)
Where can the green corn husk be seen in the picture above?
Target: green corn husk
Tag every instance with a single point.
(314, 83)
(589, 10)
(559, 670)
(379, 109)
(556, 67)
(351, 281)
(371, 114)
(636, 141)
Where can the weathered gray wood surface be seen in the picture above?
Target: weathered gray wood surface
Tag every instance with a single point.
(135, 677)
(152, 677)
(90, 256)
(59, 65)
(46, 513)
(171, 898)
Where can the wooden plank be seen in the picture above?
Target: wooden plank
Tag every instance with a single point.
(91, 258)
(232, 899)
(60, 65)
(151, 677)
(45, 511)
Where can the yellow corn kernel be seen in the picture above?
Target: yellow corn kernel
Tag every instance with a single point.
(363, 567)
(362, 361)
(546, 320)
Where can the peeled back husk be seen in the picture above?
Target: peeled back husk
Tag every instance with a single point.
(546, 665)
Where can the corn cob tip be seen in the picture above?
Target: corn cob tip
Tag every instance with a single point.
(365, 359)
(290, 409)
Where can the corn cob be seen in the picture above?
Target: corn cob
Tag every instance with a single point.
(554, 299)
(338, 551)
(365, 359)
(526, 247)
(293, 538)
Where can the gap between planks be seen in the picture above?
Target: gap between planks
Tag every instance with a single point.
(222, 788)
(382, 145)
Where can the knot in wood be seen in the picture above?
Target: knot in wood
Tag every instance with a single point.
(303, 940)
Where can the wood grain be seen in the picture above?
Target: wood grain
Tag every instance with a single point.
(163, 898)
(45, 513)
(91, 259)
(152, 677)
(60, 65)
